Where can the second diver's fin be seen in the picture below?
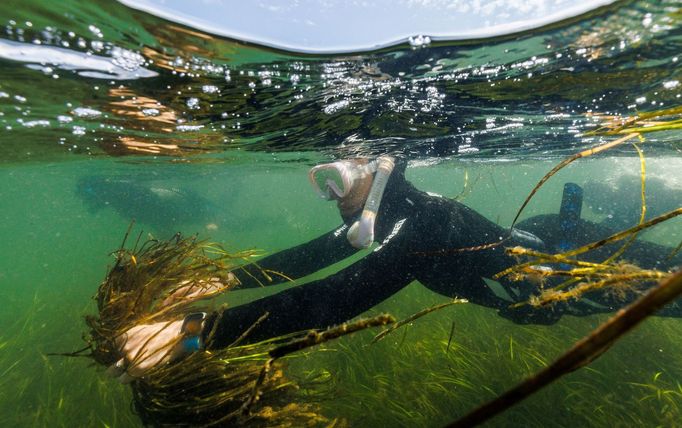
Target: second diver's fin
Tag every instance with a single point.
(569, 216)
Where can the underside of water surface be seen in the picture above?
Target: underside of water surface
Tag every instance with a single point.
(109, 114)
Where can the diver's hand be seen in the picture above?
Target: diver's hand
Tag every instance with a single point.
(145, 346)
(148, 345)
(190, 292)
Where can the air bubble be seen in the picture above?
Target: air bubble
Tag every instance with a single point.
(150, 112)
(210, 89)
(419, 41)
(193, 103)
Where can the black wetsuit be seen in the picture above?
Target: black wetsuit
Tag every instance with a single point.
(419, 236)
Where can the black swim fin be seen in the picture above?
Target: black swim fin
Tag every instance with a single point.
(569, 216)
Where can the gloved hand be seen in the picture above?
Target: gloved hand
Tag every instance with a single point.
(145, 346)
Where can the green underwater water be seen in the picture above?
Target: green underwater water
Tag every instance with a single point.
(479, 121)
(56, 253)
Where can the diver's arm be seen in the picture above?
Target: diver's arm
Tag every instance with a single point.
(298, 261)
(318, 304)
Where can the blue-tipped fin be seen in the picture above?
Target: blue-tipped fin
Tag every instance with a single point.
(569, 216)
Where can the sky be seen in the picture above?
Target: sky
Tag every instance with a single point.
(359, 25)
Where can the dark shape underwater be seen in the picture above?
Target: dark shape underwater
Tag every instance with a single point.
(620, 200)
(161, 207)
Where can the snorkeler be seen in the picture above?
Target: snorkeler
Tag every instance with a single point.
(443, 244)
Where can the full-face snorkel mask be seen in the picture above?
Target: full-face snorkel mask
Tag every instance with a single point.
(335, 180)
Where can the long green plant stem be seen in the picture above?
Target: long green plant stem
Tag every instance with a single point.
(565, 162)
(413, 317)
(582, 353)
(312, 338)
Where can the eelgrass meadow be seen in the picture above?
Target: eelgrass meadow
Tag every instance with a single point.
(184, 131)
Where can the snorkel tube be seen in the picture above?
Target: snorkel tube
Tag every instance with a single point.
(361, 233)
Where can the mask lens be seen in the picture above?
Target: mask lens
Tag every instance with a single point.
(328, 181)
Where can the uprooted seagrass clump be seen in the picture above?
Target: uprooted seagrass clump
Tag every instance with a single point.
(243, 384)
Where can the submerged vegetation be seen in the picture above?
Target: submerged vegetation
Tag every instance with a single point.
(652, 121)
(239, 384)
(618, 277)
(239, 118)
(247, 384)
(428, 373)
(612, 274)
